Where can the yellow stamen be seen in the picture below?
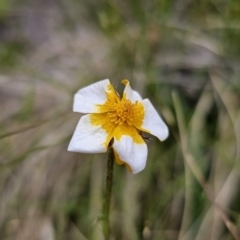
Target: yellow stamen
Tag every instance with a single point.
(119, 116)
(121, 112)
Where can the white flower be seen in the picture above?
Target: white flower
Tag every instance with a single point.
(117, 122)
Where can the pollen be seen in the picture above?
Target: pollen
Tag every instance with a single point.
(122, 112)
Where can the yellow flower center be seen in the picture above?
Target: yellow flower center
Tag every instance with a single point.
(119, 117)
(121, 112)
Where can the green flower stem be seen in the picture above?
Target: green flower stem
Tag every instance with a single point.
(107, 195)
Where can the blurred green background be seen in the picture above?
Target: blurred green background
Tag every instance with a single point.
(183, 55)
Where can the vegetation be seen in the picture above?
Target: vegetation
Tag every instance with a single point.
(182, 55)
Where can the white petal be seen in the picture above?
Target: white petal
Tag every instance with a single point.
(88, 138)
(135, 155)
(129, 93)
(86, 98)
(152, 122)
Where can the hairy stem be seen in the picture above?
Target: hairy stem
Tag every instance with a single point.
(107, 195)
